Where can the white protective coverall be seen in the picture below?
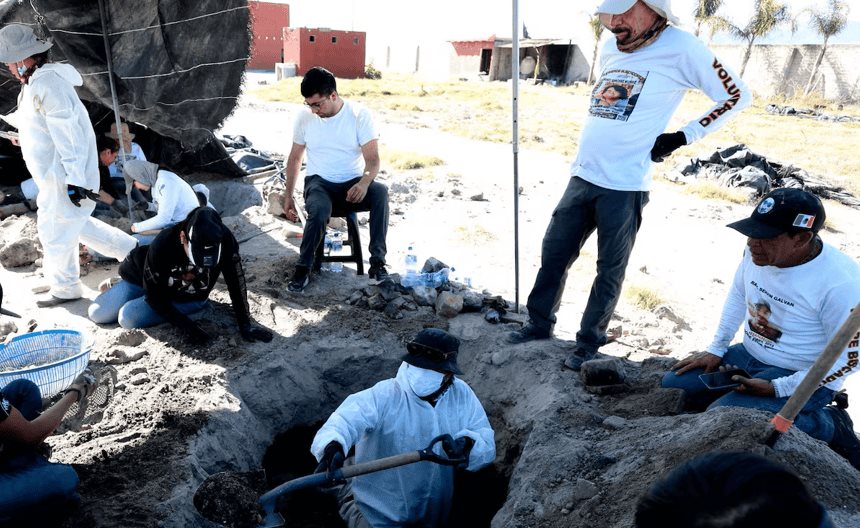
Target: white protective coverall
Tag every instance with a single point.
(389, 419)
(59, 148)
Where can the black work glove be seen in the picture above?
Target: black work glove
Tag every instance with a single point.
(458, 448)
(140, 206)
(332, 459)
(196, 335)
(666, 144)
(253, 333)
(76, 194)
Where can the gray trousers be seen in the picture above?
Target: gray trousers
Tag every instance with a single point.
(322, 196)
(583, 208)
(349, 511)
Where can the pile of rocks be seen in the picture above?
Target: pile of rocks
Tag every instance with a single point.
(447, 300)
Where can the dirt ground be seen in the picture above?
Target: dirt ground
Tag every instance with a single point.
(182, 414)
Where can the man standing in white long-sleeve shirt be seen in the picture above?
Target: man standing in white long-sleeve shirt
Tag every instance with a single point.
(404, 414)
(791, 292)
(644, 73)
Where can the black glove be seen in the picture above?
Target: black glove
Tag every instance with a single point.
(331, 460)
(76, 194)
(140, 206)
(666, 144)
(253, 333)
(458, 448)
(196, 335)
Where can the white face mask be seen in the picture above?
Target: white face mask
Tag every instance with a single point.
(423, 382)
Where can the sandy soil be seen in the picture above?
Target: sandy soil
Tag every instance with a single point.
(574, 458)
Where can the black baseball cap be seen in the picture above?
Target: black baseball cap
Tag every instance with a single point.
(434, 349)
(784, 210)
(205, 233)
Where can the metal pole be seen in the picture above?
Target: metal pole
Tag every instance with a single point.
(116, 116)
(515, 87)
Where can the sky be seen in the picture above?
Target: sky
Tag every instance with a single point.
(478, 19)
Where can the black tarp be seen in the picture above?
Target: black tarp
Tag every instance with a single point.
(177, 64)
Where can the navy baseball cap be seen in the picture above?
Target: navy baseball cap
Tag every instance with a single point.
(434, 349)
(784, 210)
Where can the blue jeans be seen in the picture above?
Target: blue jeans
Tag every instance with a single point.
(33, 491)
(125, 303)
(812, 418)
(584, 207)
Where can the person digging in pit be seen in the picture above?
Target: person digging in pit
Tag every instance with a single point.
(34, 491)
(172, 278)
(397, 415)
(811, 287)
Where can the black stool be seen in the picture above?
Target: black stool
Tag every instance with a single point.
(353, 241)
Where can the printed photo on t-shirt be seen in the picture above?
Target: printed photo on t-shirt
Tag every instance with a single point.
(615, 94)
(759, 321)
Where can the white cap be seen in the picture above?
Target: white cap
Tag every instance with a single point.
(661, 7)
(17, 42)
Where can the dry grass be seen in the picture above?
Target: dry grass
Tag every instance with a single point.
(644, 298)
(550, 119)
(711, 190)
(474, 234)
(403, 160)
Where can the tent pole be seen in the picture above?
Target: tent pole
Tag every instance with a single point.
(515, 89)
(116, 116)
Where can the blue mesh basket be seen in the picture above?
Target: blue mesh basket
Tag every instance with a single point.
(51, 359)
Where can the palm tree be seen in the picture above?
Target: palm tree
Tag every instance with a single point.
(767, 16)
(596, 31)
(705, 10)
(826, 22)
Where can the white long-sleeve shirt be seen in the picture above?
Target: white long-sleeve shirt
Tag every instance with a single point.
(389, 419)
(615, 145)
(173, 198)
(790, 314)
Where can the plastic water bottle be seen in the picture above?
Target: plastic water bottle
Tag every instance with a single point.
(326, 251)
(435, 279)
(336, 250)
(410, 261)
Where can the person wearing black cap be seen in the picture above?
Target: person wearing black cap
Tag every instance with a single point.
(172, 278)
(645, 70)
(404, 414)
(809, 288)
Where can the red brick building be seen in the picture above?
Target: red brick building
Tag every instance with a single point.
(341, 52)
(267, 23)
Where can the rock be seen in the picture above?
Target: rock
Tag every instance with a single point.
(392, 309)
(606, 390)
(614, 422)
(448, 304)
(388, 290)
(424, 295)
(478, 198)
(355, 297)
(19, 253)
(131, 338)
(432, 265)
(376, 302)
(585, 489)
(467, 327)
(665, 312)
(609, 371)
(409, 305)
(275, 204)
(492, 316)
(371, 290)
(8, 327)
(472, 301)
(500, 357)
(456, 192)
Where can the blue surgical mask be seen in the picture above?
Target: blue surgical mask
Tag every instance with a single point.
(22, 69)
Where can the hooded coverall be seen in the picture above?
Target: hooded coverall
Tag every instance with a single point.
(59, 148)
(389, 419)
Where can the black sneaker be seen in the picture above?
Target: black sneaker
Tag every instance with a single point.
(301, 278)
(527, 333)
(576, 358)
(377, 270)
(844, 440)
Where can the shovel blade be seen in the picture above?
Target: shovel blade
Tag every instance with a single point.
(272, 520)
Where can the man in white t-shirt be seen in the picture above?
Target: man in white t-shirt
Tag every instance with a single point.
(791, 293)
(341, 142)
(644, 73)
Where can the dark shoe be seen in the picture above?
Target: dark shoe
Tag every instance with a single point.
(377, 270)
(301, 278)
(527, 333)
(844, 440)
(576, 358)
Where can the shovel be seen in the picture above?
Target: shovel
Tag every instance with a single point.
(274, 519)
(785, 417)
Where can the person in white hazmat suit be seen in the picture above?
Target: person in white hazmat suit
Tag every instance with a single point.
(400, 415)
(59, 147)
